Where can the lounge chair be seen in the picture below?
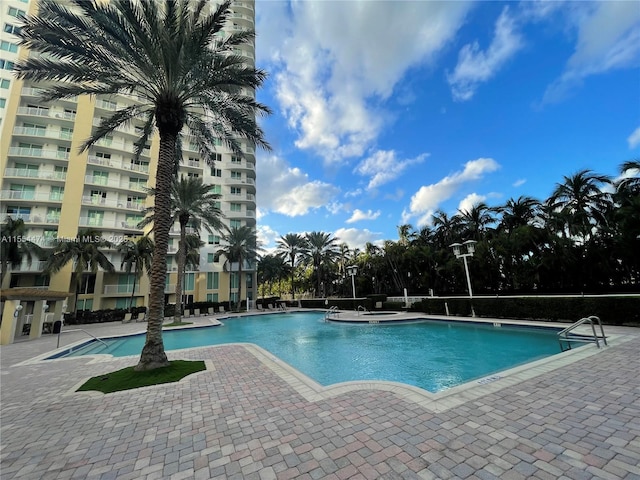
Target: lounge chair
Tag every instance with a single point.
(142, 317)
(221, 309)
(270, 306)
(196, 312)
(127, 318)
(259, 307)
(211, 311)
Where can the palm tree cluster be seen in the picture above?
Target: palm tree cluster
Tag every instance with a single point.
(584, 238)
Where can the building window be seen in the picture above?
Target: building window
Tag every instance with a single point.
(13, 29)
(17, 212)
(8, 47)
(236, 175)
(213, 280)
(210, 257)
(234, 279)
(53, 215)
(236, 207)
(3, 102)
(216, 172)
(85, 304)
(41, 281)
(235, 159)
(6, 65)
(236, 191)
(217, 189)
(95, 218)
(137, 183)
(123, 303)
(235, 223)
(56, 193)
(214, 239)
(60, 173)
(189, 281)
(16, 12)
(4, 83)
(100, 178)
(212, 297)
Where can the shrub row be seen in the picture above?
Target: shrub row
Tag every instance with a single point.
(100, 316)
(611, 310)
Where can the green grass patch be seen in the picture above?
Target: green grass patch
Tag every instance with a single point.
(177, 324)
(127, 378)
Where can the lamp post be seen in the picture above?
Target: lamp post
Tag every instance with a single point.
(353, 270)
(457, 250)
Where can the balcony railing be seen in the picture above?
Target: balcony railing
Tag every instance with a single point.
(29, 173)
(36, 266)
(121, 164)
(106, 182)
(37, 153)
(37, 196)
(121, 289)
(45, 112)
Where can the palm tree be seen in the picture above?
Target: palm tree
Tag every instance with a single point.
(84, 252)
(193, 204)
(292, 246)
(241, 245)
(137, 256)
(271, 268)
(474, 222)
(322, 248)
(14, 246)
(581, 198)
(517, 213)
(168, 57)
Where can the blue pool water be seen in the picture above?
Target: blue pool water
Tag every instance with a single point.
(433, 355)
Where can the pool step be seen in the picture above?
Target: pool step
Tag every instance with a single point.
(567, 336)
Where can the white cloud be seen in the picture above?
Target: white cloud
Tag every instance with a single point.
(334, 60)
(353, 193)
(267, 238)
(476, 66)
(359, 215)
(383, 167)
(427, 199)
(288, 190)
(519, 182)
(608, 38)
(356, 238)
(467, 203)
(634, 138)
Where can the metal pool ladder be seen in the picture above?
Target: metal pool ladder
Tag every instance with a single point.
(566, 336)
(333, 310)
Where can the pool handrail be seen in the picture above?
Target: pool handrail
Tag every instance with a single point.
(79, 330)
(563, 335)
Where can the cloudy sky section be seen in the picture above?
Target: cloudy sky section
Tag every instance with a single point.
(342, 75)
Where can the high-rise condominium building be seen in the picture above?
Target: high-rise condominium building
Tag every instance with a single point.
(58, 191)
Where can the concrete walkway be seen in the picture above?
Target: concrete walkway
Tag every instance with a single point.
(246, 419)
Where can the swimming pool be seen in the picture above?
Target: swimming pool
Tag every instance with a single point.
(433, 355)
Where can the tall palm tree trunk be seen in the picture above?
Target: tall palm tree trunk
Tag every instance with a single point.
(133, 292)
(182, 260)
(240, 283)
(153, 354)
(293, 273)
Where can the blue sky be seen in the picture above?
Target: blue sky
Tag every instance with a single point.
(385, 112)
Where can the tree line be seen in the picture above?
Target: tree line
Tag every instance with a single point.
(584, 238)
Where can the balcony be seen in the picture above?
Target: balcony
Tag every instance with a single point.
(37, 153)
(239, 181)
(36, 266)
(33, 196)
(29, 173)
(117, 164)
(121, 289)
(97, 222)
(114, 183)
(46, 113)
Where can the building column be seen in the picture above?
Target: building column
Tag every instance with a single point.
(39, 314)
(9, 321)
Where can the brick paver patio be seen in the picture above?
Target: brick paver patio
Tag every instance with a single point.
(243, 420)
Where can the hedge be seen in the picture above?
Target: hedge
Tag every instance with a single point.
(611, 310)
